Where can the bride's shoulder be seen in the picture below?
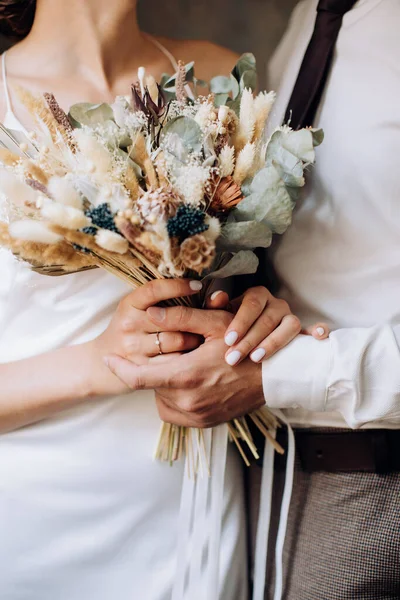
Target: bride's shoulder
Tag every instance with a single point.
(211, 59)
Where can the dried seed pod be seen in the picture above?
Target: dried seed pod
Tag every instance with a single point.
(196, 253)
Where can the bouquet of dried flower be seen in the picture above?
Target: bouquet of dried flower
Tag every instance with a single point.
(164, 183)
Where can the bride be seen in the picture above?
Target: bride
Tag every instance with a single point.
(84, 511)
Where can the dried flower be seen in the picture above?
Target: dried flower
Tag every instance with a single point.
(161, 204)
(109, 240)
(263, 104)
(192, 183)
(180, 83)
(244, 163)
(62, 190)
(17, 192)
(61, 118)
(247, 120)
(102, 217)
(66, 216)
(227, 195)
(8, 158)
(33, 231)
(197, 254)
(226, 161)
(188, 221)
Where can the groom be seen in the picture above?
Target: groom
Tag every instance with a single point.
(337, 68)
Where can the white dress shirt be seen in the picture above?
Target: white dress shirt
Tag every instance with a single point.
(340, 260)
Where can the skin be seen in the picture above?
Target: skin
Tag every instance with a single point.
(96, 46)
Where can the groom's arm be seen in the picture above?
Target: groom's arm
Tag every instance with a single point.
(355, 372)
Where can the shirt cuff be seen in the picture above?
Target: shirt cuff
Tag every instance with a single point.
(297, 375)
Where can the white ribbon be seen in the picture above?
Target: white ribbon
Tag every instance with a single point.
(218, 464)
(184, 527)
(286, 498)
(200, 523)
(264, 518)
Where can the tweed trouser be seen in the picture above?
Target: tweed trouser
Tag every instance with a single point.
(343, 536)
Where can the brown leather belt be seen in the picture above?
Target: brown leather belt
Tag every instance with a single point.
(371, 450)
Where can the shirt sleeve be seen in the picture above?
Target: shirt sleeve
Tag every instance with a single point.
(355, 372)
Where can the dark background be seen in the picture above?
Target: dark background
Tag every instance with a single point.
(243, 25)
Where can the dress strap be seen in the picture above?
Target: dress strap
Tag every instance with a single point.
(164, 50)
(5, 85)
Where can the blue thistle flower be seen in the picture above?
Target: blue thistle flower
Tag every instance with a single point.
(102, 217)
(187, 222)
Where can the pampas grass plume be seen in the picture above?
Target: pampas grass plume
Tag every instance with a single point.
(111, 241)
(244, 163)
(263, 104)
(65, 216)
(94, 151)
(64, 192)
(247, 118)
(33, 231)
(227, 161)
(16, 191)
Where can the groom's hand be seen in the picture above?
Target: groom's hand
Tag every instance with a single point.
(198, 389)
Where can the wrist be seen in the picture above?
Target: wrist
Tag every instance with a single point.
(98, 380)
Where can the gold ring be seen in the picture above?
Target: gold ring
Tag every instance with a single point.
(158, 343)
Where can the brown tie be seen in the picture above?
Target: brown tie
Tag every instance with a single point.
(317, 60)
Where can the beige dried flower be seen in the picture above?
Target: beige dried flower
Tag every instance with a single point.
(196, 253)
(244, 163)
(60, 254)
(160, 204)
(247, 120)
(226, 161)
(263, 104)
(8, 158)
(180, 83)
(138, 152)
(33, 171)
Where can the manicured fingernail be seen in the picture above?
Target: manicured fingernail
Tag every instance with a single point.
(258, 355)
(320, 331)
(196, 286)
(231, 338)
(233, 357)
(215, 294)
(156, 313)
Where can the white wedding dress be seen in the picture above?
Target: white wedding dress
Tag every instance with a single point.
(85, 512)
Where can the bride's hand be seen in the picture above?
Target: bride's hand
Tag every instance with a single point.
(133, 336)
(262, 325)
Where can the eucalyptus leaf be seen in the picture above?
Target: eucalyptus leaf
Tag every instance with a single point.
(248, 80)
(244, 262)
(270, 201)
(245, 235)
(235, 87)
(318, 136)
(300, 143)
(85, 113)
(247, 62)
(185, 133)
(132, 163)
(221, 99)
(220, 85)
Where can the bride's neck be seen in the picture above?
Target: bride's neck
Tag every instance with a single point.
(98, 39)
